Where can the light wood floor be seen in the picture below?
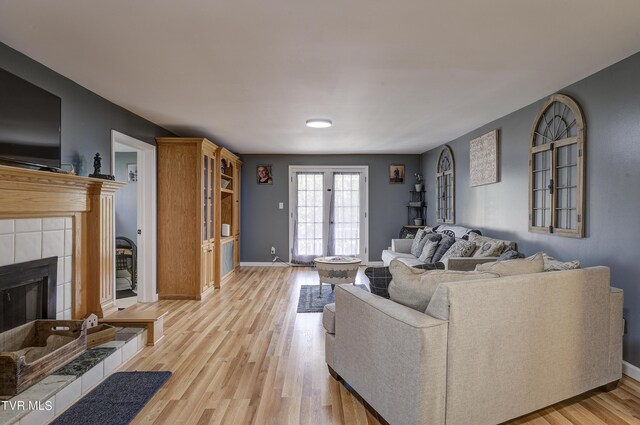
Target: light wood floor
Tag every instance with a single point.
(244, 356)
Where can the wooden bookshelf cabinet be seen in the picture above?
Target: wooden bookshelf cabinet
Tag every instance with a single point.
(188, 178)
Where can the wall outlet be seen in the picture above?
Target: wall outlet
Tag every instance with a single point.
(273, 250)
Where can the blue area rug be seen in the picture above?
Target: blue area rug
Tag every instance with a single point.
(116, 401)
(310, 300)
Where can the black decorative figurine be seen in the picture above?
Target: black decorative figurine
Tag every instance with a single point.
(97, 165)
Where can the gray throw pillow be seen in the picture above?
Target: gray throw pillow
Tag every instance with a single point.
(418, 243)
(445, 244)
(461, 248)
(431, 244)
(509, 254)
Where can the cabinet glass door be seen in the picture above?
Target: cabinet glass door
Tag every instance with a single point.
(212, 200)
(205, 198)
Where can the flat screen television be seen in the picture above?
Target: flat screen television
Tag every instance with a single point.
(29, 123)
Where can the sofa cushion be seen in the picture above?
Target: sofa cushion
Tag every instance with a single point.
(443, 247)
(329, 318)
(418, 243)
(430, 246)
(533, 264)
(438, 306)
(551, 264)
(460, 248)
(388, 256)
(405, 287)
(414, 288)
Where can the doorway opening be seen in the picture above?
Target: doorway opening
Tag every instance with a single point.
(134, 162)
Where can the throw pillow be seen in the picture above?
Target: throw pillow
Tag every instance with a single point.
(439, 304)
(533, 264)
(418, 243)
(509, 254)
(455, 231)
(405, 287)
(379, 279)
(481, 241)
(445, 244)
(489, 249)
(461, 248)
(551, 264)
(432, 241)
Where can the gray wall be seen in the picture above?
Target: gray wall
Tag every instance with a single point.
(87, 119)
(126, 202)
(610, 100)
(264, 225)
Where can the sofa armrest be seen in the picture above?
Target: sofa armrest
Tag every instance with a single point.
(616, 332)
(401, 245)
(393, 356)
(465, 263)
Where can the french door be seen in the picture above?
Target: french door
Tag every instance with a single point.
(328, 212)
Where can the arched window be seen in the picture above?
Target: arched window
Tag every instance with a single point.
(556, 168)
(445, 186)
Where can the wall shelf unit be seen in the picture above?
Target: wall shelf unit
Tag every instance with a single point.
(228, 257)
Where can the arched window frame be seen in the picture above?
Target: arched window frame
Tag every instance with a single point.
(445, 187)
(553, 186)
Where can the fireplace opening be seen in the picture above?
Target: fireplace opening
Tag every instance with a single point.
(28, 292)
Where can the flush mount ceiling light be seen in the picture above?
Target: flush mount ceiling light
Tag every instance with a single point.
(319, 123)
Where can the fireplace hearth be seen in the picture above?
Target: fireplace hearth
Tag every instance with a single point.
(27, 292)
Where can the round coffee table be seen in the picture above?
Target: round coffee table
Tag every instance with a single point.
(337, 270)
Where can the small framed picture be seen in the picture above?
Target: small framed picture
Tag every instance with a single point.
(132, 172)
(396, 173)
(263, 173)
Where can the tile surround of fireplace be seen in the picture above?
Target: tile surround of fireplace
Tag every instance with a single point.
(29, 239)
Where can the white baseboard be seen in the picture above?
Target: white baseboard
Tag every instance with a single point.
(631, 371)
(375, 264)
(262, 264)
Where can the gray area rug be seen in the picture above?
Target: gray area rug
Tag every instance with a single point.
(310, 300)
(116, 401)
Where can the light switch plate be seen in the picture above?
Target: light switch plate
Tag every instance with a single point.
(281, 205)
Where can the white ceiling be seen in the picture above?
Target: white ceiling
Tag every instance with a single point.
(394, 76)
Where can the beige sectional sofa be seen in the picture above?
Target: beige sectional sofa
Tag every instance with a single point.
(485, 351)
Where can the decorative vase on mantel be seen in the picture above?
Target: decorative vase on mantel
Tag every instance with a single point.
(418, 187)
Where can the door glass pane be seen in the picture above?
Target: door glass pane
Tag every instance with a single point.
(309, 212)
(346, 214)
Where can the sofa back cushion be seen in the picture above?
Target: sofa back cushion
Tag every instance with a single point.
(414, 288)
(533, 264)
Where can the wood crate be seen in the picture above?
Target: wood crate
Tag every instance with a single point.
(100, 334)
(32, 351)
